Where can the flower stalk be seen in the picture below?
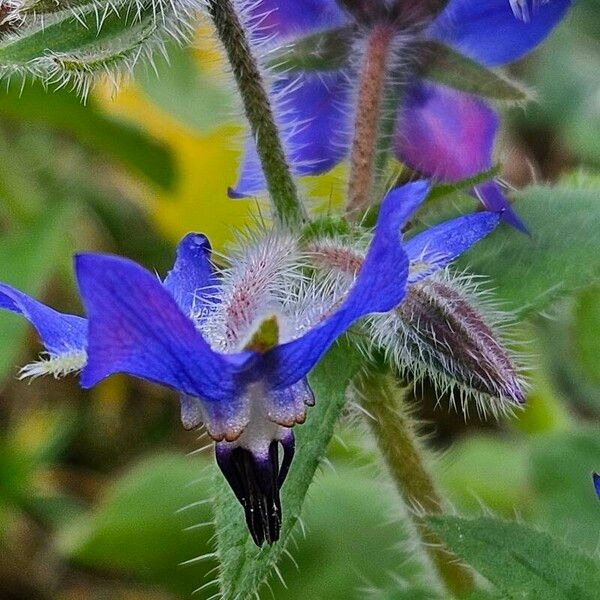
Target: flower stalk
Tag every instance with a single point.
(371, 95)
(287, 208)
(396, 437)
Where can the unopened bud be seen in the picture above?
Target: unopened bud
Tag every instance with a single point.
(440, 332)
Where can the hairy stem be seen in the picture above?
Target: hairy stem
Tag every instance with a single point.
(280, 184)
(368, 114)
(396, 437)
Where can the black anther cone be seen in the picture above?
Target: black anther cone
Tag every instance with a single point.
(256, 481)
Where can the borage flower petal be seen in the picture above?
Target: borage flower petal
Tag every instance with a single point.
(286, 18)
(379, 287)
(490, 33)
(192, 280)
(312, 113)
(64, 336)
(247, 398)
(438, 246)
(136, 327)
(449, 135)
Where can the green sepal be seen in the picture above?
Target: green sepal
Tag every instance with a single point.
(324, 51)
(457, 71)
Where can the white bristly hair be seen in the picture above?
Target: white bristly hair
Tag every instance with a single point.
(56, 365)
(151, 23)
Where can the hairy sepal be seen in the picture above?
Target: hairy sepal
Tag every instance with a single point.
(447, 332)
(70, 42)
(322, 51)
(446, 66)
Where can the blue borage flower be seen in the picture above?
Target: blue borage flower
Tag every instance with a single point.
(443, 133)
(196, 333)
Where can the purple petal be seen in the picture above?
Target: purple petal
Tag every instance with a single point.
(192, 274)
(312, 112)
(293, 18)
(438, 246)
(445, 134)
(490, 33)
(490, 195)
(136, 327)
(449, 135)
(59, 333)
(379, 287)
(597, 484)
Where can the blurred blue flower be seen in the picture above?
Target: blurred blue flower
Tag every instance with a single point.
(197, 332)
(596, 478)
(443, 133)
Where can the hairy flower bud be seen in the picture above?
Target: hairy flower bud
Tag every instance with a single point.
(442, 332)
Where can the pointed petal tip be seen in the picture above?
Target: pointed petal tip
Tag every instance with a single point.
(509, 216)
(234, 194)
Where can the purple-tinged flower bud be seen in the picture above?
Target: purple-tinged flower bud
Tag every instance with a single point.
(596, 479)
(443, 332)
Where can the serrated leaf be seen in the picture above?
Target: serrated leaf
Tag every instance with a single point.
(561, 256)
(27, 259)
(244, 566)
(457, 71)
(520, 561)
(322, 51)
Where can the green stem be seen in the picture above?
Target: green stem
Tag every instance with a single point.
(396, 437)
(371, 94)
(280, 184)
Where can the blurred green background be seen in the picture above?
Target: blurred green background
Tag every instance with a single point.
(102, 493)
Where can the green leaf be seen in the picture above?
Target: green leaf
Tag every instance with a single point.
(561, 256)
(586, 334)
(73, 44)
(336, 558)
(488, 470)
(522, 562)
(243, 566)
(27, 259)
(462, 73)
(323, 51)
(182, 88)
(140, 528)
(62, 110)
(561, 468)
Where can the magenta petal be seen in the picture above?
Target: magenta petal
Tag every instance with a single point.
(445, 134)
